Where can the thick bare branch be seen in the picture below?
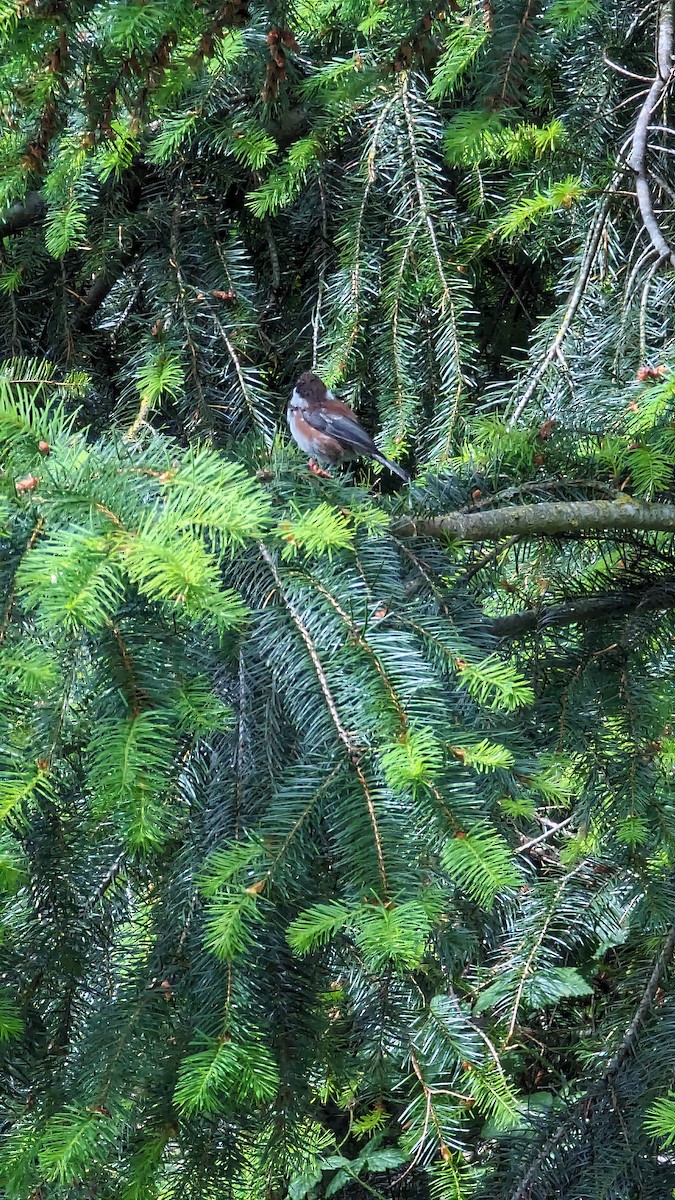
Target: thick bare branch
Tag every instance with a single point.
(638, 156)
(555, 518)
(587, 608)
(20, 215)
(100, 288)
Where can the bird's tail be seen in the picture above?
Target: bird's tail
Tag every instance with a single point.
(393, 467)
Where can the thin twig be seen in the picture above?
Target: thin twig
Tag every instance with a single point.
(357, 637)
(181, 300)
(9, 605)
(576, 295)
(624, 71)
(350, 746)
(544, 836)
(316, 315)
(323, 786)
(522, 25)
(109, 878)
(447, 300)
(662, 183)
(632, 1033)
(644, 301)
(552, 911)
(236, 363)
(660, 150)
(429, 1093)
(486, 559)
(576, 1119)
(533, 1172)
(539, 485)
(274, 256)
(136, 705)
(398, 390)
(139, 420)
(371, 174)
(101, 287)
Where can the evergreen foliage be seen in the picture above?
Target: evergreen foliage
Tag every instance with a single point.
(313, 883)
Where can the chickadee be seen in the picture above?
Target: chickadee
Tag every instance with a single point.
(328, 429)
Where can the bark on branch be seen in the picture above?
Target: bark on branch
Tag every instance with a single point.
(638, 156)
(555, 518)
(24, 213)
(100, 289)
(586, 608)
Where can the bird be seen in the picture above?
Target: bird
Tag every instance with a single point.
(326, 428)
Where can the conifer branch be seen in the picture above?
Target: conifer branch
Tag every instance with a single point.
(182, 301)
(357, 637)
(522, 26)
(299, 821)
(355, 285)
(109, 878)
(321, 282)
(347, 741)
(429, 1115)
(575, 298)
(134, 429)
(447, 300)
(396, 355)
(532, 957)
(243, 385)
(485, 560)
(552, 519)
(11, 595)
(446, 296)
(632, 1033)
(522, 1192)
(274, 257)
(577, 1118)
(543, 837)
(177, 801)
(135, 695)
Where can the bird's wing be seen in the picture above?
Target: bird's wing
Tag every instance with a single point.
(341, 425)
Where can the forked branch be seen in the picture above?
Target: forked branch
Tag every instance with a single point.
(638, 155)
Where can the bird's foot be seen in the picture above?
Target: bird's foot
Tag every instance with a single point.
(317, 470)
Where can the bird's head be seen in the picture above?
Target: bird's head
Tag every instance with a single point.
(312, 389)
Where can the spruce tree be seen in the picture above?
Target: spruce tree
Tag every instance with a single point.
(336, 816)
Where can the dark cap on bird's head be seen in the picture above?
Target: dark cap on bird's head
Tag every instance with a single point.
(311, 388)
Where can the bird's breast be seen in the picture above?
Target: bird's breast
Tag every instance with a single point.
(311, 440)
(302, 433)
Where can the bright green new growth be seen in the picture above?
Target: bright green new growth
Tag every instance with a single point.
(335, 861)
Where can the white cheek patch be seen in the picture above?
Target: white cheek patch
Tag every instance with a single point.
(298, 401)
